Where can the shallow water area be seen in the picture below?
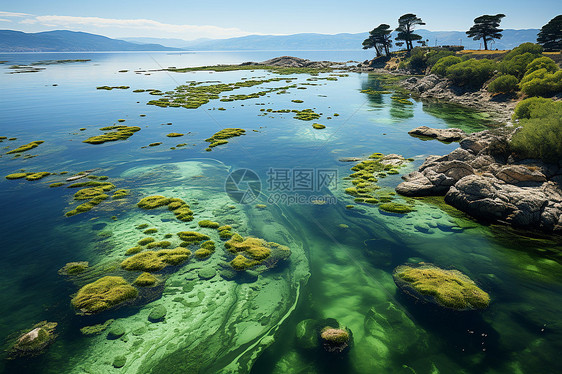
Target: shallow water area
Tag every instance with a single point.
(343, 252)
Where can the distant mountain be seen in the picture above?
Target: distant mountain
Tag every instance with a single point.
(167, 42)
(68, 41)
(71, 41)
(296, 42)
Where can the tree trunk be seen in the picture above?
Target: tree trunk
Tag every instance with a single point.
(485, 43)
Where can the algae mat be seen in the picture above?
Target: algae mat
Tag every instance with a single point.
(210, 325)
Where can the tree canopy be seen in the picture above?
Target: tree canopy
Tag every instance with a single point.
(486, 27)
(379, 38)
(406, 25)
(550, 36)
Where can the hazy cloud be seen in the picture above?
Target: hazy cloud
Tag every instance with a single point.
(139, 25)
(12, 14)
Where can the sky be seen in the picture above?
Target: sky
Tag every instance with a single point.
(218, 19)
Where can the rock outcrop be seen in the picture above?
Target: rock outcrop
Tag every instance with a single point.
(483, 180)
(444, 135)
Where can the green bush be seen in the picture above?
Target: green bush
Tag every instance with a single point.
(531, 48)
(542, 62)
(417, 60)
(440, 67)
(541, 83)
(517, 66)
(471, 72)
(433, 56)
(525, 107)
(503, 84)
(541, 134)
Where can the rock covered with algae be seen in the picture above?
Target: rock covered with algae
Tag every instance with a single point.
(447, 288)
(255, 251)
(150, 261)
(34, 341)
(103, 294)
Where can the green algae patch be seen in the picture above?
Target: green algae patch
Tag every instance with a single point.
(448, 288)
(281, 70)
(17, 176)
(96, 329)
(145, 280)
(396, 208)
(109, 88)
(318, 126)
(195, 94)
(179, 207)
(220, 137)
(306, 115)
(74, 268)
(209, 224)
(146, 241)
(113, 133)
(37, 176)
(242, 263)
(159, 244)
(103, 294)
(151, 261)
(150, 231)
(120, 194)
(255, 251)
(26, 147)
(174, 135)
(57, 184)
(297, 101)
(192, 237)
(133, 250)
(365, 177)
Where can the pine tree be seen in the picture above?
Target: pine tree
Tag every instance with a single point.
(405, 29)
(486, 27)
(550, 36)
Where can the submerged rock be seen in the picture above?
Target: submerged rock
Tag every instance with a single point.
(33, 342)
(447, 288)
(444, 135)
(157, 314)
(335, 340)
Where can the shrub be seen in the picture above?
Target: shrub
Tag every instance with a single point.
(503, 84)
(525, 107)
(471, 72)
(532, 48)
(517, 65)
(440, 67)
(417, 60)
(433, 56)
(542, 63)
(541, 133)
(542, 83)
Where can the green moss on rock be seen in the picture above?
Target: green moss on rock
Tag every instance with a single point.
(448, 288)
(151, 261)
(103, 294)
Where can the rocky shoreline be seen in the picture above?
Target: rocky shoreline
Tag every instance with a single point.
(429, 87)
(432, 87)
(483, 180)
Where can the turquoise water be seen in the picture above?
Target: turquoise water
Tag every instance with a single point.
(335, 272)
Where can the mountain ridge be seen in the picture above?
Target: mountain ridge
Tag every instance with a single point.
(76, 41)
(68, 41)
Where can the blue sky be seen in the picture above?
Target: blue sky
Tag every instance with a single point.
(186, 19)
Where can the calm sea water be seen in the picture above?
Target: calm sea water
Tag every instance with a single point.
(350, 265)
